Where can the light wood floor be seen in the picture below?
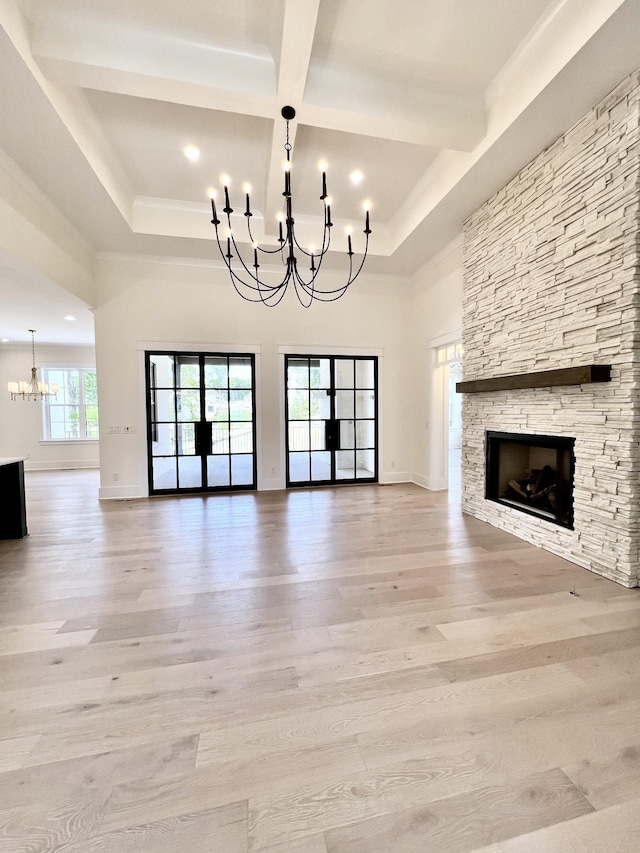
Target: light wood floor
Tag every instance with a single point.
(333, 671)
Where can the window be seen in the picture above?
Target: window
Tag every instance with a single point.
(71, 415)
(449, 354)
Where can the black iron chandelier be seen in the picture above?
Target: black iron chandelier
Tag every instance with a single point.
(245, 277)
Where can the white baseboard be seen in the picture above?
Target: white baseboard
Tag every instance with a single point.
(395, 477)
(61, 465)
(114, 493)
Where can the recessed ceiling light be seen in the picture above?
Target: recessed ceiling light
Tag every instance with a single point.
(192, 153)
(356, 177)
(70, 317)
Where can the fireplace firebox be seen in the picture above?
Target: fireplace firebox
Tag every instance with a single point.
(531, 473)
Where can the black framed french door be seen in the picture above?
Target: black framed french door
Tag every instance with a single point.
(201, 424)
(332, 419)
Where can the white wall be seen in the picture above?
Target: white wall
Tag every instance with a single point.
(436, 317)
(21, 420)
(146, 303)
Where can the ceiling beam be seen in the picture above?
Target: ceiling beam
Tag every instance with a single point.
(298, 31)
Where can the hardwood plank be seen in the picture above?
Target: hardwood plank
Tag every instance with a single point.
(14, 751)
(608, 781)
(308, 844)
(464, 822)
(223, 828)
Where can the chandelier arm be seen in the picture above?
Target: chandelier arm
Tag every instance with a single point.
(268, 299)
(303, 293)
(309, 288)
(259, 248)
(326, 242)
(235, 278)
(352, 278)
(272, 291)
(335, 293)
(262, 285)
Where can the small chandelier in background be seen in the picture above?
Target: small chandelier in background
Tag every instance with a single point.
(34, 389)
(245, 277)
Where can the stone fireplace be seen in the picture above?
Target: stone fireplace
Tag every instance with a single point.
(551, 282)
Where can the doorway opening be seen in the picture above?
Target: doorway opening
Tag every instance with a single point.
(332, 419)
(201, 424)
(446, 419)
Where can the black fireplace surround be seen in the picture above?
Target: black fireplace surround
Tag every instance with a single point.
(531, 473)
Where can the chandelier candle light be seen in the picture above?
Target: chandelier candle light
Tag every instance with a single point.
(246, 279)
(34, 389)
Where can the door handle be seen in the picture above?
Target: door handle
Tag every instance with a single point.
(332, 434)
(202, 437)
(206, 434)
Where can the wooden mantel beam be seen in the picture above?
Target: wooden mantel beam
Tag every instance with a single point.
(542, 379)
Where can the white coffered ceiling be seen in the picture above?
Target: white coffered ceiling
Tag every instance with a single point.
(437, 102)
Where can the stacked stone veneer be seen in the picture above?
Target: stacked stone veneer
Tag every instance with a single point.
(551, 279)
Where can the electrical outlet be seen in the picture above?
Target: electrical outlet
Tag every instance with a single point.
(115, 477)
(273, 469)
(128, 429)
(114, 430)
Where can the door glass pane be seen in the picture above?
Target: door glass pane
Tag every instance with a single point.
(219, 438)
(365, 433)
(365, 404)
(347, 436)
(216, 374)
(320, 373)
(298, 373)
(240, 373)
(364, 373)
(188, 368)
(320, 405)
(165, 406)
(299, 435)
(299, 471)
(344, 373)
(163, 370)
(321, 465)
(242, 470)
(218, 471)
(365, 463)
(344, 405)
(345, 465)
(217, 405)
(189, 472)
(318, 435)
(241, 405)
(241, 438)
(164, 473)
(165, 442)
(188, 404)
(186, 437)
(298, 405)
